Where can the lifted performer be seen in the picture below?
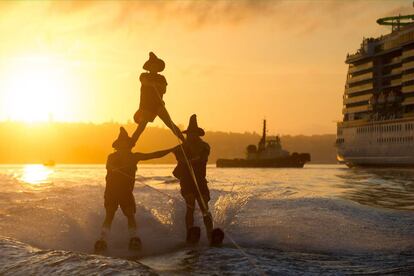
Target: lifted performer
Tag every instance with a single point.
(196, 153)
(151, 105)
(121, 167)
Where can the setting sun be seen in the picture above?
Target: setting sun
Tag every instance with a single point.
(37, 89)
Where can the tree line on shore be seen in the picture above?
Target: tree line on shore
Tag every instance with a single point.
(88, 143)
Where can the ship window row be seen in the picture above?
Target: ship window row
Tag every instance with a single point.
(408, 82)
(408, 71)
(409, 126)
(406, 139)
(340, 140)
(379, 128)
(362, 103)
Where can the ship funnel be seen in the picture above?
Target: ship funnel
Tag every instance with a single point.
(262, 142)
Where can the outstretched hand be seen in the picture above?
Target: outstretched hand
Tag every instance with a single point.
(178, 152)
(176, 148)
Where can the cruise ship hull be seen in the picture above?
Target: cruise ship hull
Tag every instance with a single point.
(378, 161)
(377, 144)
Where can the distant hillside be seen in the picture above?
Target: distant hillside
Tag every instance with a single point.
(321, 147)
(91, 143)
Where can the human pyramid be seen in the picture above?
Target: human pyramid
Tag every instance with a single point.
(191, 154)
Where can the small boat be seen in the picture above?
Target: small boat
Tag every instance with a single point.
(267, 154)
(50, 163)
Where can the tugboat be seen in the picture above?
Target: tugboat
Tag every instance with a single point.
(267, 154)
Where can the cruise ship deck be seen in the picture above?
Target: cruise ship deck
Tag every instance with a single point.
(378, 101)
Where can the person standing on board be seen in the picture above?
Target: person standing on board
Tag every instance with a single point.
(151, 105)
(196, 153)
(121, 168)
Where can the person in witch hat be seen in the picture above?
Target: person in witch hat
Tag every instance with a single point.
(151, 105)
(197, 152)
(121, 168)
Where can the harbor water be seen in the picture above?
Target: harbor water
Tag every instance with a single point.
(322, 219)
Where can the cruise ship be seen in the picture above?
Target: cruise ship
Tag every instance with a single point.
(378, 103)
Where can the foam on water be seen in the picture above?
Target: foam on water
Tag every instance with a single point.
(289, 221)
(17, 258)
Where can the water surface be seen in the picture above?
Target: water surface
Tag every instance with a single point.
(322, 219)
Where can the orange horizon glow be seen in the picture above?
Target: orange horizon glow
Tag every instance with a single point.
(232, 63)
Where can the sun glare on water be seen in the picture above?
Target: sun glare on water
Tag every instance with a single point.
(36, 174)
(36, 89)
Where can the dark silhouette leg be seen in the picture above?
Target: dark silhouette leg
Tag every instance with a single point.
(134, 240)
(207, 218)
(137, 133)
(132, 225)
(106, 226)
(165, 117)
(109, 217)
(189, 215)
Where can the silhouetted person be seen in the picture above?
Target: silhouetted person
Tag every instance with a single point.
(151, 105)
(197, 152)
(121, 167)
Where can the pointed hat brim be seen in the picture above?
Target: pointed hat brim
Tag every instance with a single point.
(193, 127)
(154, 64)
(123, 140)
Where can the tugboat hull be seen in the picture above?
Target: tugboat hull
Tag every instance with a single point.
(291, 161)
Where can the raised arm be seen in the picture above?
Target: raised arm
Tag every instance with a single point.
(152, 155)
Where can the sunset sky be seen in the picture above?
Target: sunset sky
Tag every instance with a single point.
(231, 62)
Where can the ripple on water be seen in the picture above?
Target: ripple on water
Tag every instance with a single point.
(320, 219)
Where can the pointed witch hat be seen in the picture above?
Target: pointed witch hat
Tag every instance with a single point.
(193, 126)
(154, 64)
(123, 140)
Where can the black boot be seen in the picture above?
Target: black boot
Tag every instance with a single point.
(217, 236)
(135, 244)
(100, 246)
(193, 234)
